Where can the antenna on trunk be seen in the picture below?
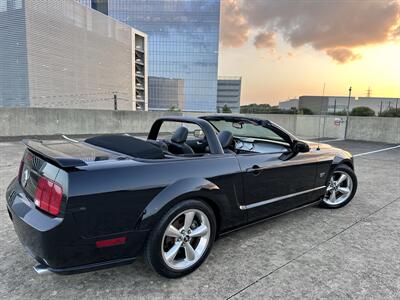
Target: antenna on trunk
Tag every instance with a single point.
(320, 116)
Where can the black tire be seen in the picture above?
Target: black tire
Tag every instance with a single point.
(152, 251)
(349, 171)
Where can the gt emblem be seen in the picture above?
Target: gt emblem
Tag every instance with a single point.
(322, 174)
(25, 177)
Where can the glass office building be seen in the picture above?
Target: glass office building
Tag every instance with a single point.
(166, 93)
(183, 38)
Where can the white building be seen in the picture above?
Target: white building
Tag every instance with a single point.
(228, 93)
(337, 104)
(64, 54)
(289, 104)
(377, 104)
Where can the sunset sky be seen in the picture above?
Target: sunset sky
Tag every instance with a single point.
(285, 49)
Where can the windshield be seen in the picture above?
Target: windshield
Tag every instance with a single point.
(245, 129)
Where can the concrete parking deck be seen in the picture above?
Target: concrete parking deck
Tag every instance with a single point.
(352, 252)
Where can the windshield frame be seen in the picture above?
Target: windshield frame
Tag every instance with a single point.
(286, 136)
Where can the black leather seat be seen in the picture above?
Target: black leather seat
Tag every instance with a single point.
(226, 139)
(178, 145)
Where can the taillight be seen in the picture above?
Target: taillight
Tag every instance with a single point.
(48, 196)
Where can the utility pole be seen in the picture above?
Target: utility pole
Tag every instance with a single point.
(334, 108)
(347, 119)
(380, 112)
(115, 101)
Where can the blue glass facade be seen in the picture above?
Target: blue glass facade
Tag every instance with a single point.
(183, 37)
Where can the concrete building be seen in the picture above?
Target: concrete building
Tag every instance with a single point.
(229, 89)
(289, 104)
(336, 104)
(377, 104)
(63, 54)
(324, 104)
(183, 43)
(166, 93)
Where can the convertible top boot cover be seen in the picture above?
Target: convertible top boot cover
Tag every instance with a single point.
(128, 145)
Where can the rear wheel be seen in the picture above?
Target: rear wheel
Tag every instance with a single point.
(341, 189)
(182, 239)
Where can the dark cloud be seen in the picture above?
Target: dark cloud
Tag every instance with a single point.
(234, 28)
(335, 27)
(342, 55)
(265, 40)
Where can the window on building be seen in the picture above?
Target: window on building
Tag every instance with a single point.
(17, 4)
(101, 6)
(3, 5)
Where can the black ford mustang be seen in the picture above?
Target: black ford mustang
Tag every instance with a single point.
(79, 206)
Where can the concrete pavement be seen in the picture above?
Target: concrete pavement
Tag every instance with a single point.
(352, 252)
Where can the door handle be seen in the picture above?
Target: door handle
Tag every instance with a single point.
(255, 170)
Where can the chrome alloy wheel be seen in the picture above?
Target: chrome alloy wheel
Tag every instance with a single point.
(186, 239)
(339, 188)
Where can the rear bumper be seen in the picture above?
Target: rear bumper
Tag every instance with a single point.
(44, 269)
(56, 244)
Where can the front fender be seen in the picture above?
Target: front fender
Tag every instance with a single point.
(188, 188)
(343, 157)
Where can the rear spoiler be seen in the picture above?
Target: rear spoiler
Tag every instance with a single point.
(59, 158)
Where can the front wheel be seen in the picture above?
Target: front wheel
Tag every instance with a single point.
(182, 239)
(341, 189)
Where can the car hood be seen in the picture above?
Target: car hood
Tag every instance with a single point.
(328, 148)
(314, 145)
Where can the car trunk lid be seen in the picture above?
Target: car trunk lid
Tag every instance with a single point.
(67, 154)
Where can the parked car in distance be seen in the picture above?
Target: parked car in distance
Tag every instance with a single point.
(85, 205)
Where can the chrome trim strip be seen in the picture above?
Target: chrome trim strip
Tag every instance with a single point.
(69, 139)
(41, 269)
(244, 207)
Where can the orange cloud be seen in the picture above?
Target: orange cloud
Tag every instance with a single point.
(335, 27)
(234, 27)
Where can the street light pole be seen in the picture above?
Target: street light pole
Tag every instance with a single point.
(115, 101)
(348, 109)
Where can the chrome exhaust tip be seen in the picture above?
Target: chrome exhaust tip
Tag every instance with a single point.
(41, 269)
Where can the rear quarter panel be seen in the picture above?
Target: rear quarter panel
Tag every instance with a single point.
(110, 197)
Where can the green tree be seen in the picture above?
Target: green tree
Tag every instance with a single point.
(226, 109)
(391, 113)
(306, 111)
(174, 109)
(341, 113)
(255, 108)
(362, 111)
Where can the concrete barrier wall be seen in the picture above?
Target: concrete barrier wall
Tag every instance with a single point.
(17, 122)
(374, 129)
(325, 126)
(44, 121)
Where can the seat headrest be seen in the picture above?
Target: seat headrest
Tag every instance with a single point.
(180, 135)
(225, 138)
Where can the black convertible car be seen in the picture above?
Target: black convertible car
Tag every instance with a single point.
(79, 206)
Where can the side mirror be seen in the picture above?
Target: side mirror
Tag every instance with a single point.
(198, 133)
(301, 147)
